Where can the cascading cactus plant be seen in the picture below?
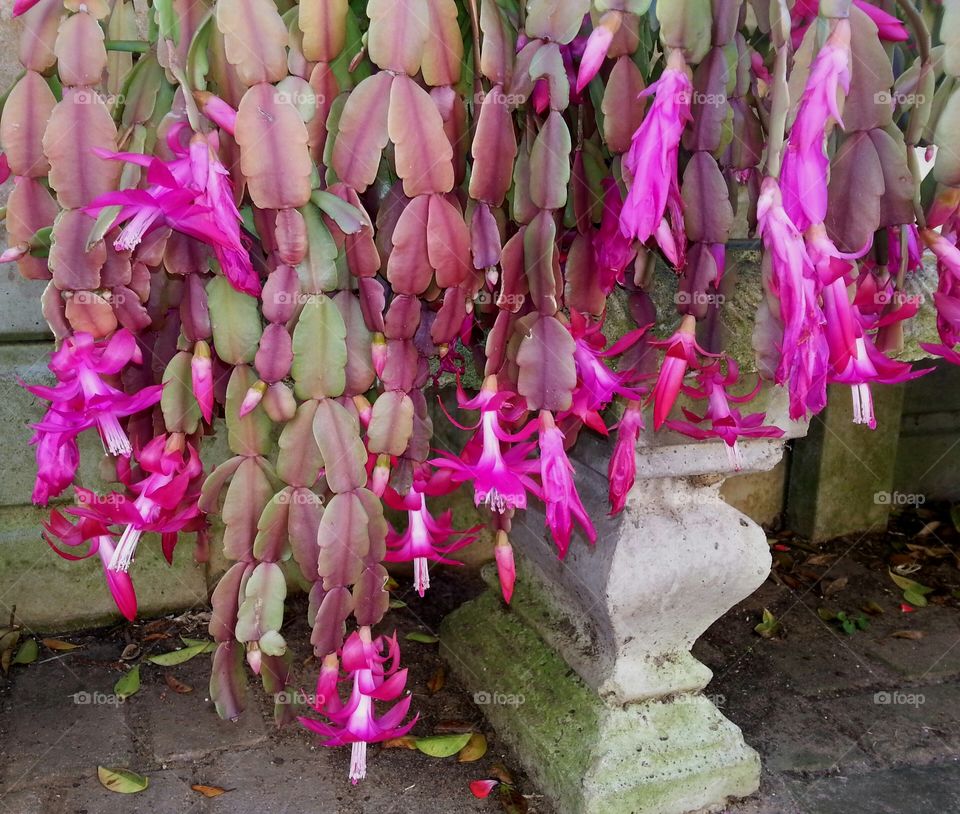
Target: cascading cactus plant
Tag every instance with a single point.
(295, 220)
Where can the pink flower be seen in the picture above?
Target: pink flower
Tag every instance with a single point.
(355, 721)
(595, 52)
(22, 6)
(165, 498)
(803, 178)
(425, 539)
(82, 399)
(119, 584)
(506, 568)
(726, 422)
(652, 158)
(793, 282)
(498, 479)
(622, 469)
(563, 504)
(682, 353)
(191, 194)
(217, 110)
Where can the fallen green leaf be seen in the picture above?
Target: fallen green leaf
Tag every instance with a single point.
(475, 749)
(769, 627)
(128, 684)
(27, 653)
(442, 745)
(122, 781)
(176, 657)
(423, 638)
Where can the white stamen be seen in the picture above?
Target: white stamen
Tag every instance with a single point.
(358, 762)
(421, 574)
(734, 455)
(114, 439)
(863, 405)
(126, 549)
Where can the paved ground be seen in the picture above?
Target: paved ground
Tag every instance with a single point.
(845, 724)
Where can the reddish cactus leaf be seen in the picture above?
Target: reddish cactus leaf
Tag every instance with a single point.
(497, 50)
(40, 26)
(338, 435)
(226, 602)
(583, 292)
(323, 81)
(271, 540)
(324, 27)
(550, 164)
(74, 267)
(80, 123)
(403, 317)
(343, 540)
(275, 354)
(622, 104)
(359, 370)
(215, 482)
(867, 104)
(408, 267)
(248, 493)
(391, 423)
(81, 55)
(443, 46)
(228, 683)
(494, 148)
(274, 156)
(29, 208)
(397, 34)
(896, 205)
(547, 371)
(946, 170)
(555, 21)
(712, 81)
(448, 243)
(371, 599)
(89, 312)
(328, 626)
(25, 115)
(453, 111)
(450, 317)
(128, 309)
(708, 215)
(547, 64)
(855, 190)
(303, 525)
(423, 155)
(541, 262)
(513, 280)
(362, 133)
(254, 39)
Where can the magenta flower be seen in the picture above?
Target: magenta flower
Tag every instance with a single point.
(563, 504)
(425, 539)
(506, 567)
(23, 6)
(217, 110)
(682, 353)
(101, 543)
(803, 178)
(355, 721)
(794, 283)
(726, 422)
(497, 477)
(192, 194)
(595, 52)
(652, 158)
(165, 498)
(82, 399)
(622, 469)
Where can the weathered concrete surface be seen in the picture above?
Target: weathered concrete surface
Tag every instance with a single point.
(842, 474)
(759, 495)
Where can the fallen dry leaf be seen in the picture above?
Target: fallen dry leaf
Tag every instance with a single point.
(176, 684)
(130, 652)
(820, 559)
(501, 773)
(835, 586)
(209, 791)
(475, 749)
(455, 726)
(437, 680)
(59, 644)
(406, 742)
(908, 634)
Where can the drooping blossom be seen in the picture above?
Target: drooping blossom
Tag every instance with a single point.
(82, 399)
(192, 194)
(497, 477)
(559, 493)
(682, 354)
(506, 567)
(622, 469)
(793, 283)
(654, 149)
(101, 543)
(165, 498)
(725, 422)
(426, 539)
(217, 110)
(803, 177)
(595, 52)
(372, 667)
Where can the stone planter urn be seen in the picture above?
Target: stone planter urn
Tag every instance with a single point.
(588, 673)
